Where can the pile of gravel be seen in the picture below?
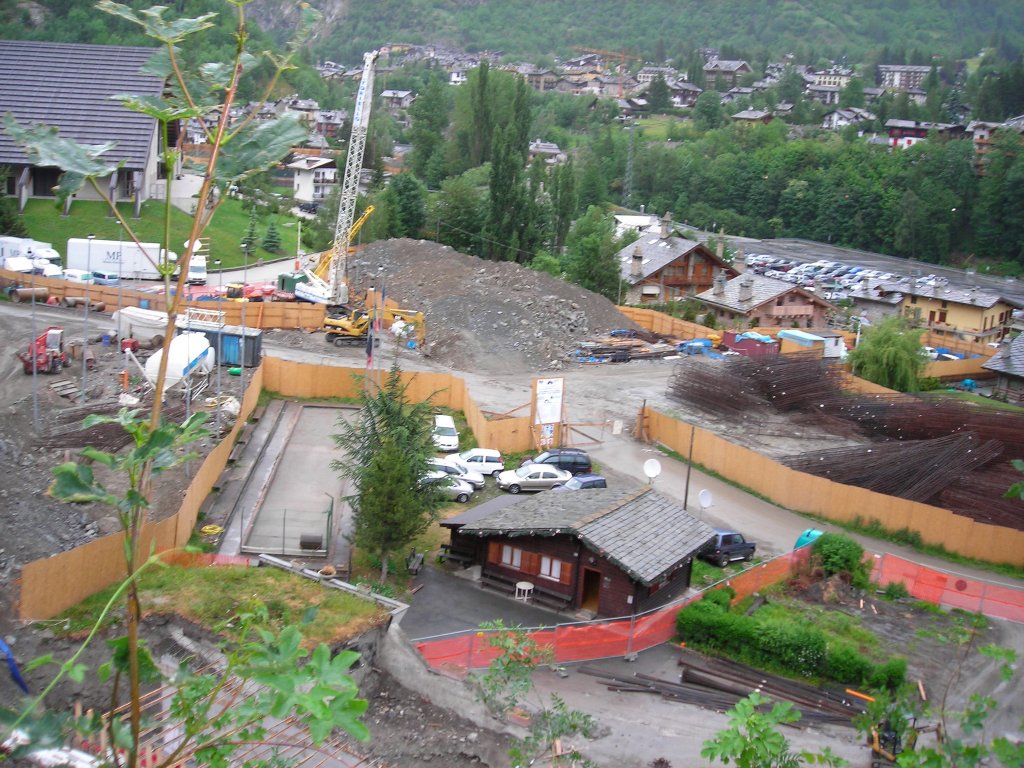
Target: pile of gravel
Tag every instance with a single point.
(486, 315)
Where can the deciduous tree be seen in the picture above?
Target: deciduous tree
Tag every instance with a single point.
(890, 354)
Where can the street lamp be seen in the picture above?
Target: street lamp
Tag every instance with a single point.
(85, 315)
(220, 335)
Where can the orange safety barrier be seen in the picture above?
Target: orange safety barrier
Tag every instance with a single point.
(952, 590)
(604, 638)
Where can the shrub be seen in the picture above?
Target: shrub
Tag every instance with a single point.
(846, 665)
(797, 648)
(895, 590)
(890, 675)
(837, 553)
(722, 596)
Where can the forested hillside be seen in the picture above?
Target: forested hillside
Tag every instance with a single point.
(865, 30)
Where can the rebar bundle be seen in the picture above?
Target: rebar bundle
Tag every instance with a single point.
(917, 470)
(980, 496)
(714, 387)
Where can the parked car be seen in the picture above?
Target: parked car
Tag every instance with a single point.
(726, 547)
(446, 436)
(486, 461)
(78, 276)
(574, 460)
(581, 483)
(451, 487)
(532, 477)
(105, 278)
(458, 470)
(309, 207)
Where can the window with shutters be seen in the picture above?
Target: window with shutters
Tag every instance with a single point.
(550, 568)
(511, 556)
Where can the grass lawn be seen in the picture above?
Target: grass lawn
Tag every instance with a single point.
(229, 225)
(211, 596)
(973, 399)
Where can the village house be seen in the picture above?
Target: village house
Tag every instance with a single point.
(683, 94)
(969, 314)
(826, 94)
(751, 116)
(838, 77)
(901, 77)
(1008, 366)
(840, 118)
(607, 551)
(661, 267)
(313, 177)
(907, 133)
(648, 74)
(69, 86)
(548, 151)
(722, 74)
(394, 101)
(753, 301)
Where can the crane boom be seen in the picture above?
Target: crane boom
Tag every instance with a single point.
(350, 181)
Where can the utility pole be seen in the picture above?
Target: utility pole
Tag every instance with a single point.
(85, 315)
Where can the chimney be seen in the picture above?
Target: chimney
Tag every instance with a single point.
(666, 225)
(718, 287)
(636, 269)
(746, 292)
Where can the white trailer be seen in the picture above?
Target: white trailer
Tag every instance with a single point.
(26, 247)
(126, 259)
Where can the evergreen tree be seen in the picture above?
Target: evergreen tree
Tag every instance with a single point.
(249, 238)
(387, 447)
(11, 222)
(564, 201)
(658, 97)
(853, 94)
(407, 197)
(429, 116)
(707, 111)
(591, 260)
(480, 101)
(272, 238)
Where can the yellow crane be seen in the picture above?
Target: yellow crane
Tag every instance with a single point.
(323, 267)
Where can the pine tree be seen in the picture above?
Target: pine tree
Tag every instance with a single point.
(272, 238)
(249, 238)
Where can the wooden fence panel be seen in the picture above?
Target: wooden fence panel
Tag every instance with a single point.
(835, 501)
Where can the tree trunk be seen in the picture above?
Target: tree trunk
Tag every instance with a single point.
(383, 567)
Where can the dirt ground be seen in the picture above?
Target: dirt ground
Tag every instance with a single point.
(498, 323)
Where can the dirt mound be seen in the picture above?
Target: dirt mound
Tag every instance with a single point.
(486, 315)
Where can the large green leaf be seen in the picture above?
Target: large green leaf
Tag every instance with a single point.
(152, 21)
(156, 107)
(258, 146)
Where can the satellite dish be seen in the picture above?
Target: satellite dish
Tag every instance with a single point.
(652, 468)
(704, 497)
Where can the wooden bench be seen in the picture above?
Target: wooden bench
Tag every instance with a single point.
(463, 556)
(549, 598)
(498, 583)
(236, 453)
(414, 562)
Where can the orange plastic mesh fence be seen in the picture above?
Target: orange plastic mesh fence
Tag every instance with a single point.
(601, 639)
(952, 590)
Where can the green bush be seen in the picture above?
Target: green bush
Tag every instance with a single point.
(798, 648)
(895, 590)
(722, 596)
(846, 665)
(837, 553)
(890, 675)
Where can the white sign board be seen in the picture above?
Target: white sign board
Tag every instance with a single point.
(548, 408)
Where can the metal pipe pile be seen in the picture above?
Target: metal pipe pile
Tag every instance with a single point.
(911, 469)
(718, 685)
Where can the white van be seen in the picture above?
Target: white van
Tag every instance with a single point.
(446, 436)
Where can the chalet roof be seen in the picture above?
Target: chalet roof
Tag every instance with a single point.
(310, 163)
(763, 290)
(68, 86)
(751, 114)
(949, 293)
(393, 94)
(725, 65)
(639, 530)
(1009, 358)
(657, 252)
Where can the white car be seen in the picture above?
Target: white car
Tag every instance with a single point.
(457, 470)
(486, 461)
(444, 433)
(78, 276)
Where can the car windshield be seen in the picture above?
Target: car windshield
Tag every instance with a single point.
(524, 471)
(573, 484)
(447, 431)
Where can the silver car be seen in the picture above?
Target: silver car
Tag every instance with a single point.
(532, 477)
(458, 470)
(450, 486)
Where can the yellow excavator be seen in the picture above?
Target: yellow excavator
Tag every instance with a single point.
(353, 327)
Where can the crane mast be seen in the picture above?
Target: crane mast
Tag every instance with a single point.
(350, 181)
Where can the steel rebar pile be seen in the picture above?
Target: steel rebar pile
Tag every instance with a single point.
(988, 486)
(712, 387)
(793, 381)
(917, 470)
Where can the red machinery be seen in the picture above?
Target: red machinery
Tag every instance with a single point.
(46, 354)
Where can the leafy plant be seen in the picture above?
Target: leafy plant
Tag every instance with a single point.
(753, 739)
(507, 683)
(839, 554)
(213, 718)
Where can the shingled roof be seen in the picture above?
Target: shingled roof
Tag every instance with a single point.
(1009, 360)
(762, 291)
(657, 252)
(68, 86)
(642, 532)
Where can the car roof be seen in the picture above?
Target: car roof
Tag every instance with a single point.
(589, 476)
